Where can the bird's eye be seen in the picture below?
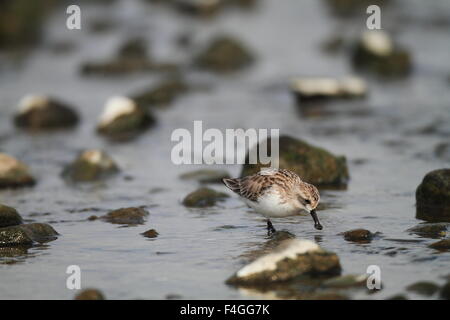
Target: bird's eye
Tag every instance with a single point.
(308, 201)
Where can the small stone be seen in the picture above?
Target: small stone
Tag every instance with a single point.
(433, 197)
(290, 260)
(430, 230)
(93, 218)
(424, 288)
(14, 173)
(152, 233)
(313, 164)
(27, 234)
(206, 175)
(161, 95)
(441, 245)
(204, 197)
(398, 297)
(203, 8)
(90, 294)
(42, 112)
(358, 235)
(445, 291)
(90, 165)
(129, 216)
(224, 54)
(122, 119)
(346, 281)
(9, 216)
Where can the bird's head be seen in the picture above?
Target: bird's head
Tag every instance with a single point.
(308, 199)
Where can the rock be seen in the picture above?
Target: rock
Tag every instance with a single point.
(9, 216)
(203, 8)
(398, 297)
(424, 288)
(290, 260)
(42, 112)
(358, 235)
(433, 197)
(313, 89)
(224, 54)
(152, 233)
(161, 95)
(14, 173)
(376, 52)
(90, 294)
(90, 165)
(130, 215)
(135, 48)
(27, 234)
(123, 119)
(441, 245)
(445, 291)
(206, 175)
(313, 164)
(430, 230)
(347, 281)
(203, 197)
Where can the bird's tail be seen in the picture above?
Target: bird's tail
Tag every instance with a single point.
(233, 184)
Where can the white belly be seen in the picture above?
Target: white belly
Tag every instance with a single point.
(271, 206)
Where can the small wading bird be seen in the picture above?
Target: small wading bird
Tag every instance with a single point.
(277, 193)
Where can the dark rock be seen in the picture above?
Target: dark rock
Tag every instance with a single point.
(433, 197)
(376, 52)
(123, 119)
(430, 230)
(90, 294)
(27, 234)
(203, 197)
(313, 164)
(445, 291)
(130, 215)
(424, 288)
(93, 218)
(9, 216)
(224, 54)
(14, 173)
(152, 233)
(358, 235)
(42, 112)
(90, 165)
(206, 175)
(161, 95)
(441, 245)
(293, 258)
(202, 8)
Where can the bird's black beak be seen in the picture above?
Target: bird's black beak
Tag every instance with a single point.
(317, 224)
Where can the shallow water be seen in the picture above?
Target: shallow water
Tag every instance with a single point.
(193, 256)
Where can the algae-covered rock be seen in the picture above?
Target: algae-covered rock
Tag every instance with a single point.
(132, 215)
(90, 165)
(123, 119)
(206, 175)
(441, 245)
(293, 258)
(424, 288)
(27, 234)
(9, 216)
(14, 173)
(358, 235)
(161, 95)
(313, 164)
(90, 294)
(375, 51)
(430, 230)
(224, 54)
(38, 112)
(204, 197)
(433, 197)
(152, 233)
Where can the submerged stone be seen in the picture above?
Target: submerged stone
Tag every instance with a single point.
(152, 233)
(204, 197)
(206, 175)
(9, 216)
(424, 288)
(358, 235)
(161, 95)
(27, 234)
(90, 294)
(122, 119)
(430, 230)
(224, 54)
(14, 173)
(293, 258)
(42, 112)
(90, 165)
(313, 164)
(132, 215)
(433, 197)
(441, 245)
(347, 281)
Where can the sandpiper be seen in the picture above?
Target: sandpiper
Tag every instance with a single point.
(277, 193)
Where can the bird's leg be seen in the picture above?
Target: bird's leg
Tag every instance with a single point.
(270, 229)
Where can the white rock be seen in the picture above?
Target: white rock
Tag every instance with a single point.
(30, 102)
(316, 86)
(353, 86)
(377, 42)
(116, 107)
